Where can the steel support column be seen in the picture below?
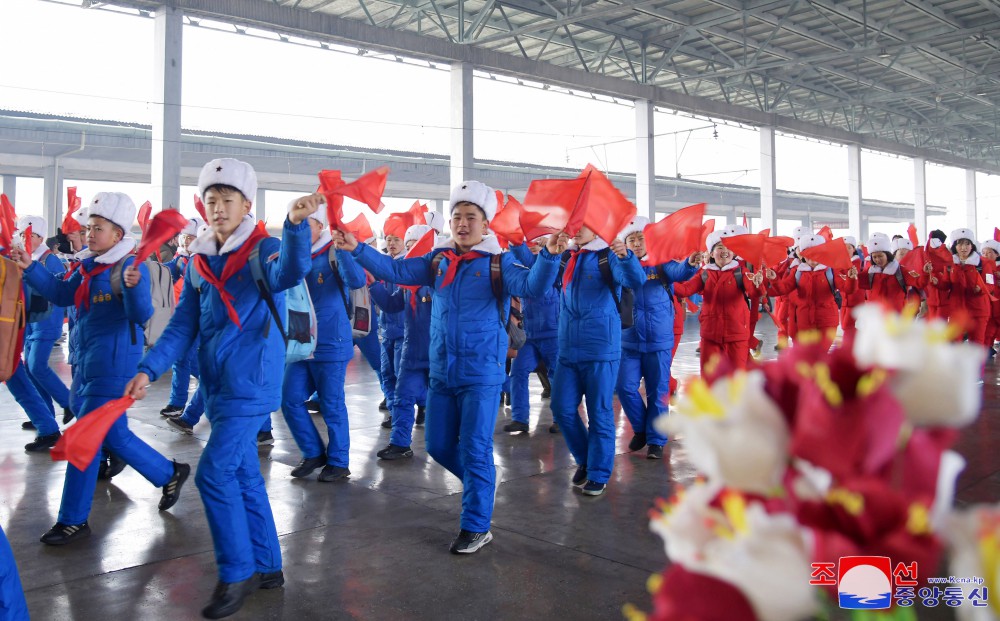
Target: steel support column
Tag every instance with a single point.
(768, 180)
(854, 221)
(461, 123)
(645, 159)
(920, 197)
(166, 159)
(970, 200)
(52, 183)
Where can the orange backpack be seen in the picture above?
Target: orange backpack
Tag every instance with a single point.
(12, 318)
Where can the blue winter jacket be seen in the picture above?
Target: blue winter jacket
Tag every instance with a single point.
(590, 328)
(541, 315)
(390, 324)
(241, 369)
(50, 327)
(177, 266)
(336, 342)
(416, 323)
(109, 332)
(468, 340)
(654, 309)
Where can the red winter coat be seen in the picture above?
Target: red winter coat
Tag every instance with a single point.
(725, 314)
(815, 307)
(962, 281)
(886, 288)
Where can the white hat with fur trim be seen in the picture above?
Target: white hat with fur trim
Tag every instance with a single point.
(37, 223)
(714, 238)
(901, 242)
(415, 232)
(115, 207)
(193, 226)
(958, 234)
(434, 220)
(801, 231)
(735, 229)
(637, 224)
(477, 193)
(231, 172)
(879, 243)
(810, 241)
(851, 240)
(992, 244)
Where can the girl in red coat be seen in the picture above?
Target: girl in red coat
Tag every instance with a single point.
(851, 300)
(816, 287)
(725, 311)
(990, 249)
(970, 302)
(883, 278)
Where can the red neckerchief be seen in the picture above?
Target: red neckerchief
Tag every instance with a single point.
(81, 298)
(570, 266)
(454, 260)
(234, 263)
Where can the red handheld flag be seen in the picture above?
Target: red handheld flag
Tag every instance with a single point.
(8, 218)
(776, 249)
(329, 180)
(911, 232)
(28, 243)
(360, 228)
(606, 211)
(424, 245)
(996, 234)
(676, 236)
(707, 228)
(939, 256)
(79, 444)
(143, 216)
(368, 188)
(750, 247)
(507, 223)
(200, 207)
(745, 225)
(914, 260)
(548, 204)
(397, 223)
(825, 233)
(163, 226)
(69, 223)
(831, 254)
(418, 212)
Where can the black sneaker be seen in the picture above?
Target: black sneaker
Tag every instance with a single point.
(228, 597)
(638, 441)
(592, 488)
(112, 466)
(516, 427)
(654, 452)
(172, 490)
(313, 408)
(308, 465)
(171, 409)
(468, 542)
(264, 438)
(271, 579)
(546, 393)
(554, 428)
(506, 398)
(421, 415)
(28, 425)
(387, 423)
(181, 425)
(61, 534)
(394, 451)
(580, 476)
(333, 473)
(42, 443)
(68, 415)
(383, 406)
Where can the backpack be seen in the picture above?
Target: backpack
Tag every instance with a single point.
(625, 304)
(516, 337)
(899, 279)
(358, 303)
(739, 284)
(12, 318)
(300, 314)
(38, 308)
(829, 281)
(161, 290)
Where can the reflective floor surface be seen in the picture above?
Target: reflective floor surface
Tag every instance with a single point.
(376, 546)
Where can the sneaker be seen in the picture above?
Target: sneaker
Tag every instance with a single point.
(697, 350)
(264, 438)
(638, 441)
(593, 488)
(554, 428)
(654, 452)
(506, 398)
(271, 579)
(543, 378)
(383, 406)
(181, 425)
(580, 476)
(394, 451)
(115, 466)
(307, 465)
(61, 534)
(313, 408)
(28, 425)
(516, 427)
(546, 393)
(68, 415)
(172, 490)
(228, 597)
(333, 473)
(757, 350)
(171, 409)
(468, 542)
(387, 423)
(421, 415)
(42, 443)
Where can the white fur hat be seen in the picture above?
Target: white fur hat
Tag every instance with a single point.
(434, 220)
(851, 240)
(992, 244)
(801, 231)
(958, 234)
(714, 238)
(901, 242)
(735, 229)
(231, 172)
(477, 193)
(415, 232)
(879, 243)
(113, 206)
(635, 226)
(810, 241)
(193, 226)
(37, 224)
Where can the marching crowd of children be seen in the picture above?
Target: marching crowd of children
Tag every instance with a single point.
(598, 320)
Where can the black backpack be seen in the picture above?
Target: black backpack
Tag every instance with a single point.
(624, 304)
(829, 280)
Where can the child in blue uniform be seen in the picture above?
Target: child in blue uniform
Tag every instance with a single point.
(183, 369)
(111, 343)
(647, 346)
(390, 326)
(240, 347)
(324, 373)
(468, 343)
(590, 333)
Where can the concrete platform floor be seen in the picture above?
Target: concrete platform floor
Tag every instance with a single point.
(376, 546)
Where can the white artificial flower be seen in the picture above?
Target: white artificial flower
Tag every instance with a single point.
(733, 432)
(973, 537)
